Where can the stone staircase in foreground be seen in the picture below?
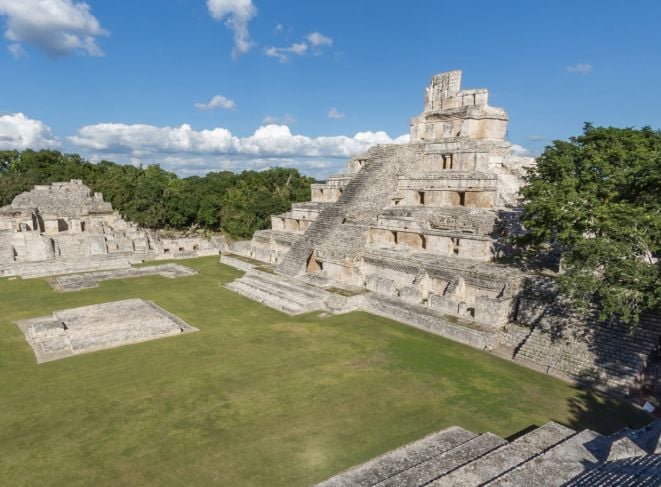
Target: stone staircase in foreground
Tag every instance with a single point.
(288, 295)
(552, 455)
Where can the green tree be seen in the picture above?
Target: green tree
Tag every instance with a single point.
(595, 198)
(237, 204)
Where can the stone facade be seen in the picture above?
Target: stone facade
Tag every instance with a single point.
(65, 227)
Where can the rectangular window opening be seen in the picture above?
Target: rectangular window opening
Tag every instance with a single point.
(455, 246)
(447, 161)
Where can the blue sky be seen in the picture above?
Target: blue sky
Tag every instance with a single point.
(296, 81)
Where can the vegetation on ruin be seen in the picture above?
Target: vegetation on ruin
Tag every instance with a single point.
(595, 199)
(236, 204)
(255, 397)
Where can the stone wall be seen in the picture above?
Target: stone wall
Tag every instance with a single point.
(551, 336)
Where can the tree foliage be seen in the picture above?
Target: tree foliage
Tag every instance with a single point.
(237, 204)
(595, 198)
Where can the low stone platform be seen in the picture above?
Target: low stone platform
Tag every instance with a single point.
(76, 282)
(552, 455)
(98, 327)
(279, 292)
(33, 270)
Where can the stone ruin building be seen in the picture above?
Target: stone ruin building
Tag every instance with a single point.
(419, 221)
(413, 232)
(65, 227)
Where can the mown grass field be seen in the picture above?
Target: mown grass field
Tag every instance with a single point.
(255, 397)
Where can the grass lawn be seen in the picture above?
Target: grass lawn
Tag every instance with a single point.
(255, 397)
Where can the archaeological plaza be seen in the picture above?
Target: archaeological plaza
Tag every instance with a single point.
(379, 334)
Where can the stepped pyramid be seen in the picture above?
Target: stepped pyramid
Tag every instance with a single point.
(419, 221)
(411, 231)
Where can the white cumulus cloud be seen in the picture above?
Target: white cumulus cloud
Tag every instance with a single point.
(217, 101)
(187, 151)
(335, 114)
(237, 14)
(282, 53)
(316, 39)
(520, 151)
(286, 119)
(59, 27)
(313, 42)
(580, 68)
(17, 51)
(266, 141)
(18, 132)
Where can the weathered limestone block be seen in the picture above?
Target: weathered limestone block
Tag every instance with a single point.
(492, 311)
(381, 285)
(446, 304)
(411, 294)
(35, 247)
(97, 245)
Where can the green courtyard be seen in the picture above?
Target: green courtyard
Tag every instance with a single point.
(255, 397)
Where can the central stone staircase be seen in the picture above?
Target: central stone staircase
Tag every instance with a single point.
(551, 455)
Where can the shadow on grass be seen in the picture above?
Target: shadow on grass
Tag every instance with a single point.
(523, 432)
(598, 412)
(602, 413)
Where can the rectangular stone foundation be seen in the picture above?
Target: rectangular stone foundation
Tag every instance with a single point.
(98, 327)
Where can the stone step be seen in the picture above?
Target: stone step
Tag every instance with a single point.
(639, 472)
(445, 462)
(558, 464)
(645, 440)
(505, 458)
(270, 300)
(283, 292)
(392, 463)
(280, 292)
(296, 287)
